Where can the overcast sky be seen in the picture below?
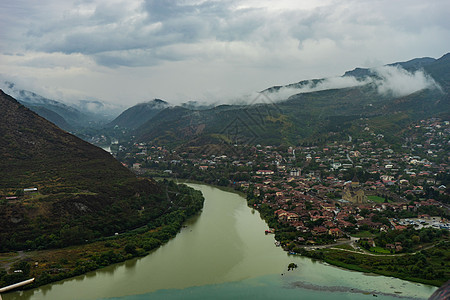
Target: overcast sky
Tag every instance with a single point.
(129, 51)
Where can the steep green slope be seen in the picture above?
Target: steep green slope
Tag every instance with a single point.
(83, 192)
(302, 116)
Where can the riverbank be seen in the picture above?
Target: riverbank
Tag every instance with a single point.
(52, 265)
(428, 266)
(223, 247)
(383, 267)
(436, 271)
(222, 188)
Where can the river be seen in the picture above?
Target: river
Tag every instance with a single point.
(224, 254)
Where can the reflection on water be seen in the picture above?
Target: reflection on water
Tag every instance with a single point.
(224, 249)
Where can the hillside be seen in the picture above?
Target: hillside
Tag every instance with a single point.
(139, 114)
(82, 191)
(308, 116)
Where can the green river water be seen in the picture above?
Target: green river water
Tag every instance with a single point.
(224, 254)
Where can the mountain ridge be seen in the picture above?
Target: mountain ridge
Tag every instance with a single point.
(138, 114)
(309, 114)
(87, 113)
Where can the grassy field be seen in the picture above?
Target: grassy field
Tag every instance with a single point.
(363, 234)
(376, 199)
(345, 247)
(379, 250)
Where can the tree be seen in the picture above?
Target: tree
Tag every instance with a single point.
(351, 219)
(24, 266)
(292, 266)
(130, 248)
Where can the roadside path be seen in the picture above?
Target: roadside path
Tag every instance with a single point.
(10, 261)
(350, 241)
(372, 254)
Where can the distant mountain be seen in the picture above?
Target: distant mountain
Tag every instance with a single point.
(311, 115)
(139, 114)
(142, 113)
(85, 113)
(439, 70)
(358, 73)
(82, 191)
(410, 65)
(299, 85)
(98, 110)
(415, 64)
(51, 116)
(195, 105)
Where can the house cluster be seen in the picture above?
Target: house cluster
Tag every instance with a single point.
(314, 188)
(315, 215)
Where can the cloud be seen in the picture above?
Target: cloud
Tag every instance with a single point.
(312, 86)
(129, 32)
(389, 81)
(191, 49)
(398, 82)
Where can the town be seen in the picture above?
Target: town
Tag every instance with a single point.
(310, 195)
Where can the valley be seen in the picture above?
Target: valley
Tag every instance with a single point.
(351, 176)
(359, 187)
(212, 149)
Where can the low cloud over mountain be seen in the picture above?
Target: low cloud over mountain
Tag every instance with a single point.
(389, 80)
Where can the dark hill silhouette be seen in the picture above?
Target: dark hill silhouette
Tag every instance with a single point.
(83, 192)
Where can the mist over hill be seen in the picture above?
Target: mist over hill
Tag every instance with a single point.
(68, 116)
(396, 94)
(279, 114)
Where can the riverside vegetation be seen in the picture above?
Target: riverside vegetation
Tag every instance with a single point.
(55, 264)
